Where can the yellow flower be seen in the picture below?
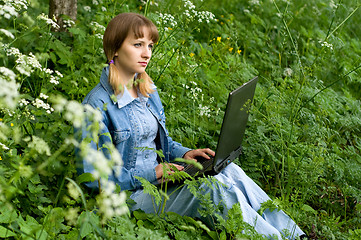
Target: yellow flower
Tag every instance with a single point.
(169, 28)
(221, 23)
(219, 39)
(230, 49)
(1, 119)
(140, 7)
(239, 51)
(12, 124)
(191, 54)
(0, 158)
(228, 38)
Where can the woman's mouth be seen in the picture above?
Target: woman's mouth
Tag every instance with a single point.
(144, 64)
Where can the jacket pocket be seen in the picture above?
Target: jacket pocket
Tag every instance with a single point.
(120, 136)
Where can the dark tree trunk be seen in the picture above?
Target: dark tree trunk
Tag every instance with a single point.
(58, 8)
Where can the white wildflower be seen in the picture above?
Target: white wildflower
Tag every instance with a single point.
(73, 191)
(99, 36)
(40, 146)
(58, 73)
(111, 204)
(68, 23)
(288, 72)
(87, 8)
(41, 104)
(204, 111)
(167, 20)
(49, 21)
(23, 102)
(44, 96)
(13, 52)
(8, 93)
(7, 33)
(47, 71)
(92, 113)
(74, 113)
(254, 2)
(96, 27)
(54, 80)
(326, 44)
(188, 4)
(7, 73)
(3, 146)
(72, 216)
(104, 9)
(8, 10)
(32, 61)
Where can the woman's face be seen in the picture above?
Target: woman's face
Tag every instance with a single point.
(134, 54)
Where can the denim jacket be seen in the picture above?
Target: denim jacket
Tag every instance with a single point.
(116, 123)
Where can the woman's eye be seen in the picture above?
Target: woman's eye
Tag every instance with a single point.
(150, 46)
(137, 44)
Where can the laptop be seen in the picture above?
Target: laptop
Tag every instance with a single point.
(229, 145)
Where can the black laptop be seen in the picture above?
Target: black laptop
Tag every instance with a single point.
(229, 145)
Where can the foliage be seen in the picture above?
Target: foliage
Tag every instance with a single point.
(302, 143)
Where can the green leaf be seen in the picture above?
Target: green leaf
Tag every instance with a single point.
(5, 233)
(85, 177)
(309, 209)
(6, 215)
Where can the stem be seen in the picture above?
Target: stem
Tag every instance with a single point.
(146, 8)
(350, 15)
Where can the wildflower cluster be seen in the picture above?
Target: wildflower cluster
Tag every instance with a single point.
(10, 8)
(24, 64)
(39, 145)
(39, 103)
(68, 23)
(27, 64)
(87, 8)
(9, 88)
(200, 16)
(167, 20)
(97, 29)
(111, 203)
(288, 72)
(51, 22)
(326, 44)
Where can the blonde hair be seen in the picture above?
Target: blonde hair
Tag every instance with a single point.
(117, 30)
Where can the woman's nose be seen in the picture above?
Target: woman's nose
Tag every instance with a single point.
(147, 52)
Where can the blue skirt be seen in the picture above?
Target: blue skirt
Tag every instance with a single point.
(237, 187)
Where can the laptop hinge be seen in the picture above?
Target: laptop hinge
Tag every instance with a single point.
(234, 154)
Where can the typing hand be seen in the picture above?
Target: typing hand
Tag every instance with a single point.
(203, 153)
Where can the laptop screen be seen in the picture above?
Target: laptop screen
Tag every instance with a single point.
(234, 124)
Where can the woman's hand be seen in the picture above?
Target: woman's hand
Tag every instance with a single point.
(169, 169)
(205, 152)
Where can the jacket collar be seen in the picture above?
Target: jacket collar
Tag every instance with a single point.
(122, 99)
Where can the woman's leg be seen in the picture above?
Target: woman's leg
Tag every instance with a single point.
(236, 180)
(183, 202)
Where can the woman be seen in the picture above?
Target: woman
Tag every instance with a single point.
(135, 121)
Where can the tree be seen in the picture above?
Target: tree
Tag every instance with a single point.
(61, 8)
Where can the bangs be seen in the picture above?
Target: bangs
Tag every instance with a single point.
(138, 32)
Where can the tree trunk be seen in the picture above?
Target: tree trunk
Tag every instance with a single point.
(58, 8)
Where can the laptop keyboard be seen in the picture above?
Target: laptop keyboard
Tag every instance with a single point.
(192, 170)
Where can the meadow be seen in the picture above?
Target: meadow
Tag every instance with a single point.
(303, 138)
